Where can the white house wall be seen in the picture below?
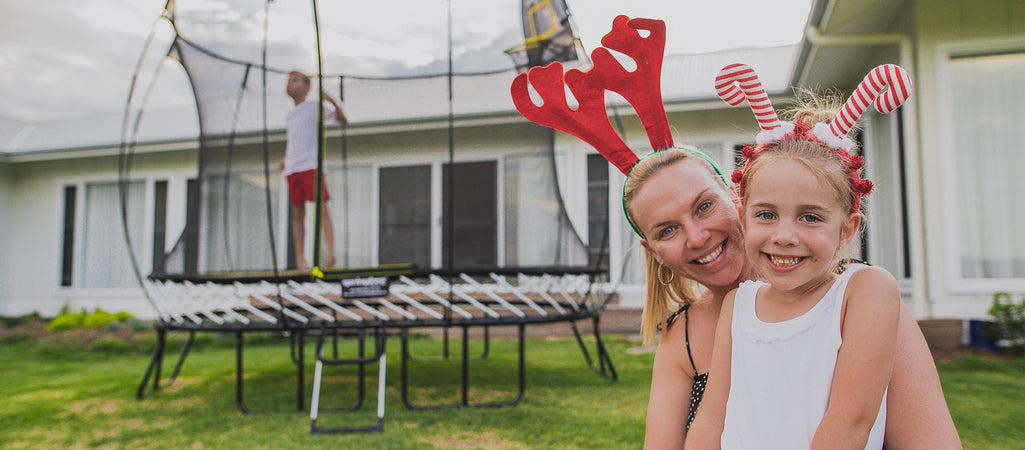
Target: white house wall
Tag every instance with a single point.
(35, 219)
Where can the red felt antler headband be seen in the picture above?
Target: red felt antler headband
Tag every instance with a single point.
(887, 86)
(589, 121)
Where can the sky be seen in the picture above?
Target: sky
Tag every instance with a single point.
(64, 58)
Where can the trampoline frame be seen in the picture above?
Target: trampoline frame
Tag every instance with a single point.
(302, 307)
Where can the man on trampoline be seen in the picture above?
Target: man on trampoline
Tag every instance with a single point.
(300, 164)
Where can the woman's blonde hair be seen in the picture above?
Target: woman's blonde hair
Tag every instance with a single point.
(664, 293)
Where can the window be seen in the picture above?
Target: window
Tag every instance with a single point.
(597, 211)
(94, 248)
(474, 211)
(353, 215)
(983, 165)
(405, 215)
(103, 261)
(236, 231)
(68, 245)
(537, 231)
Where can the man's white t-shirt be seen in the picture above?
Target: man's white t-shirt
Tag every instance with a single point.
(301, 135)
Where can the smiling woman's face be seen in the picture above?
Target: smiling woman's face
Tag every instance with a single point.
(691, 223)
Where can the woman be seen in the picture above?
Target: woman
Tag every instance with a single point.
(690, 227)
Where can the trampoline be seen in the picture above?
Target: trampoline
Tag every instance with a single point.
(407, 261)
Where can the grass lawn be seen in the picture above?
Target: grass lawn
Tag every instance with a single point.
(67, 393)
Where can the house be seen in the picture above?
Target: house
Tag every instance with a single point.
(944, 217)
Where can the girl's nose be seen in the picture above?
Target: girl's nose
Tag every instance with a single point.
(784, 234)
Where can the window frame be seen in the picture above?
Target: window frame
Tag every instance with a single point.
(172, 227)
(945, 54)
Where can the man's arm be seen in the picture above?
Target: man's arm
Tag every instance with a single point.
(339, 113)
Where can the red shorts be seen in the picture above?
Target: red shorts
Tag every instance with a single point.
(301, 186)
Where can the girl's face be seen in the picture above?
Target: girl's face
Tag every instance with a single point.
(691, 224)
(794, 226)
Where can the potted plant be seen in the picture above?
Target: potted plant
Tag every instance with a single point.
(1008, 320)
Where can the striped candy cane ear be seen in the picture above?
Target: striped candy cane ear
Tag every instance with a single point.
(738, 82)
(887, 86)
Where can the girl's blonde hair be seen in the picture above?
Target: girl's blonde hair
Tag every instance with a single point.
(665, 292)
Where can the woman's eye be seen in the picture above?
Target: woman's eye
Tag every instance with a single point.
(705, 206)
(666, 231)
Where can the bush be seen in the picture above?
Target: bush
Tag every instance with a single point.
(1008, 318)
(66, 321)
(96, 320)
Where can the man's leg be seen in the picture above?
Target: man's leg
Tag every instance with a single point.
(299, 236)
(329, 237)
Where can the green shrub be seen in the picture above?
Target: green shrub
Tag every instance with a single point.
(67, 321)
(96, 320)
(1008, 318)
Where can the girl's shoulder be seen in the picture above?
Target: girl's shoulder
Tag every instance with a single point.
(872, 286)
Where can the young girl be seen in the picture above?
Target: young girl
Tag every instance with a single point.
(803, 358)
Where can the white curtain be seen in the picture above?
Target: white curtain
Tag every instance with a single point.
(989, 156)
(353, 214)
(236, 226)
(104, 261)
(537, 230)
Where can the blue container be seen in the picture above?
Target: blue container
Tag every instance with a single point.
(979, 335)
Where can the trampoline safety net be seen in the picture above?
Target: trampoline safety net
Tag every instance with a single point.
(461, 216)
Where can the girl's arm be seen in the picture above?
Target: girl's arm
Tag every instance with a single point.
(864, 361)
(671, 382)
(706, 432)
(916, 412)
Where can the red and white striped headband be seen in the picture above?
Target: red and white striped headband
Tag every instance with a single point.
(887, 86)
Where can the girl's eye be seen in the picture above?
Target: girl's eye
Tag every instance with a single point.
(810, 218)
(765, 215)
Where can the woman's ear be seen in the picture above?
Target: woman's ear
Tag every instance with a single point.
(654, 254)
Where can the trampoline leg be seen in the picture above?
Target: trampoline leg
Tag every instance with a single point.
(301, 377)
(464, 388)
(181, 358)
(238, 374)
(154, 364)
(600, 352)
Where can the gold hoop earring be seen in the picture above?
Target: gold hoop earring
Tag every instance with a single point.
(659, 275)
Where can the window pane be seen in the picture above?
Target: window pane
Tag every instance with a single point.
(105, 260)
(475, 215)
(988, 159)
(159, 224)
(68, 247)
(598, 211)
(405, 215)
(351, 208)
(237, 222)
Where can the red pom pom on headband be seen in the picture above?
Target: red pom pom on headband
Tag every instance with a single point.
(590, 121)
(887, 87)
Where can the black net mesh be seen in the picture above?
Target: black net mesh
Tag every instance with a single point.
(420, 175)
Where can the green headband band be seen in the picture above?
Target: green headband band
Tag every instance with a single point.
(689, 151)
